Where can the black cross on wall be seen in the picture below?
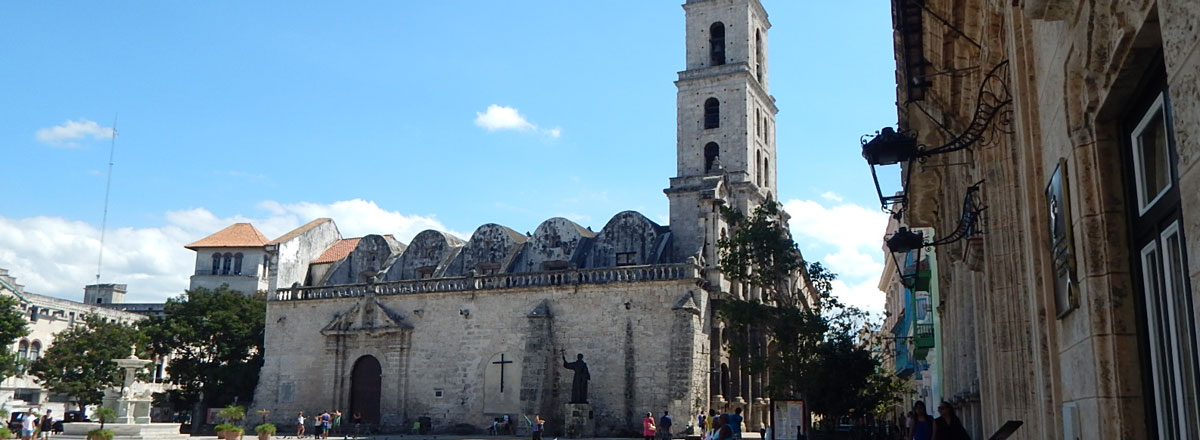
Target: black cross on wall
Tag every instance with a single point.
(501, 362)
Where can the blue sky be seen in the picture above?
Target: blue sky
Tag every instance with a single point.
(370, 112)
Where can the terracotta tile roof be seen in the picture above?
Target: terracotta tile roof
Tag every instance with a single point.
(236, 235)
(338, 251)
(296, 232)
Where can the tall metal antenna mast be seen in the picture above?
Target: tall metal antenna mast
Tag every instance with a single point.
(107, 187)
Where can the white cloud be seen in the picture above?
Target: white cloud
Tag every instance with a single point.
(848, 239)
(64, 135)
(356, 218)
(832, 196)
(57, 257)
(498, 117)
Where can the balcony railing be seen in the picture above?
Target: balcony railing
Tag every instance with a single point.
(625, 274)
(922, 340)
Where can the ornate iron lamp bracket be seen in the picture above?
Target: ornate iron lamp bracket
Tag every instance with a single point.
(905, 240)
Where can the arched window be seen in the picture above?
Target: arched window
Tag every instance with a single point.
(35, 350)
(758, 55)
(216, 266)
(711, 152)
(712, 113)
(766, 171)
(237, 263)
(23, 350)
(758, 156)
(716, 44)
(228, 257)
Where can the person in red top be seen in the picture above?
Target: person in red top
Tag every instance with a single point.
(648, 427)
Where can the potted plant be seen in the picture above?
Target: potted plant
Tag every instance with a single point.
(234, 433)
(265, 431)
(235, 415)
(104, 415)
(221, 429)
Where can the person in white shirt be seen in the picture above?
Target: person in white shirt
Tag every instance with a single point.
(28, 425)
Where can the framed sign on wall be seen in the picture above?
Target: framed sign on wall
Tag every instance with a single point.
(1062, 245)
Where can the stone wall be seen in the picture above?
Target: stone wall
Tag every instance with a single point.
(1074, 71)
(644, 349)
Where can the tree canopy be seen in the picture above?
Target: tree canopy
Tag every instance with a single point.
(12, 327)
(80, 362)
(815, 353)
(215, 338)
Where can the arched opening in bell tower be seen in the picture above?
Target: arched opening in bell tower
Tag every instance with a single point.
(716, 44)
(712, 113)
(711, 152)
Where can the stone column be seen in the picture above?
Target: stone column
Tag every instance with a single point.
(735, 377)
(714, 354)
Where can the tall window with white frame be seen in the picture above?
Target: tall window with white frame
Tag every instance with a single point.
(1160, 267)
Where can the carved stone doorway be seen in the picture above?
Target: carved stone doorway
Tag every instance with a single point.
(365, 384)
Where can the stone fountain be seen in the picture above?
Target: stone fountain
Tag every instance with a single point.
(131, 401)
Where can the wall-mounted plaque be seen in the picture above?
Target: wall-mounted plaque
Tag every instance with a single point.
(1062, 246)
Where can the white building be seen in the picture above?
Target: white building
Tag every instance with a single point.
(46, 317)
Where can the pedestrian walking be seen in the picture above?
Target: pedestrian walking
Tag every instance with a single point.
(922, 423)
(28, 425)
(337, 422)
(721, 430)
(538, 426)
(948, 426)
(664, 426)
(648, 428)
(735, 423)
(47, 424)
(300, 424)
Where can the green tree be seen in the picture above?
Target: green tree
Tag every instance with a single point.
(815, 353)
(12, 327)
(80, 362)
(215, 340)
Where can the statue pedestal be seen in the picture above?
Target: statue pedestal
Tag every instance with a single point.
(579, 421)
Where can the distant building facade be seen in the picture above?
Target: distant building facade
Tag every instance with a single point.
(47, 316)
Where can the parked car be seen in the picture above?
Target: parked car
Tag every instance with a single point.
(14, 420)
(75, 416)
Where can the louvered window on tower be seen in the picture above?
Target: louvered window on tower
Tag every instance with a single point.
(716, 44)
(712, 113)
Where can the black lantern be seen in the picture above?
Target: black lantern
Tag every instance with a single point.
(900, 244)
(890, 147)
(904, 241)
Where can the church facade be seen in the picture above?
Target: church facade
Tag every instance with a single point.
(461, 331)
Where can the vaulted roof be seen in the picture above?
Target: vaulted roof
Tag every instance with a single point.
(236, 235)
(338, 251)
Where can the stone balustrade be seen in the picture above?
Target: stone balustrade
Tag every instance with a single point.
(502, 281)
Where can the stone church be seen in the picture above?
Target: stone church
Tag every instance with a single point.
(461, 331)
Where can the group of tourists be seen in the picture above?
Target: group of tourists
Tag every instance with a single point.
(720, 426)
(712, 426)
(947, 426)
(35, 426)
(323, 424)
(504, 425)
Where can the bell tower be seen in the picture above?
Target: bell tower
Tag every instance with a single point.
(725, 147)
